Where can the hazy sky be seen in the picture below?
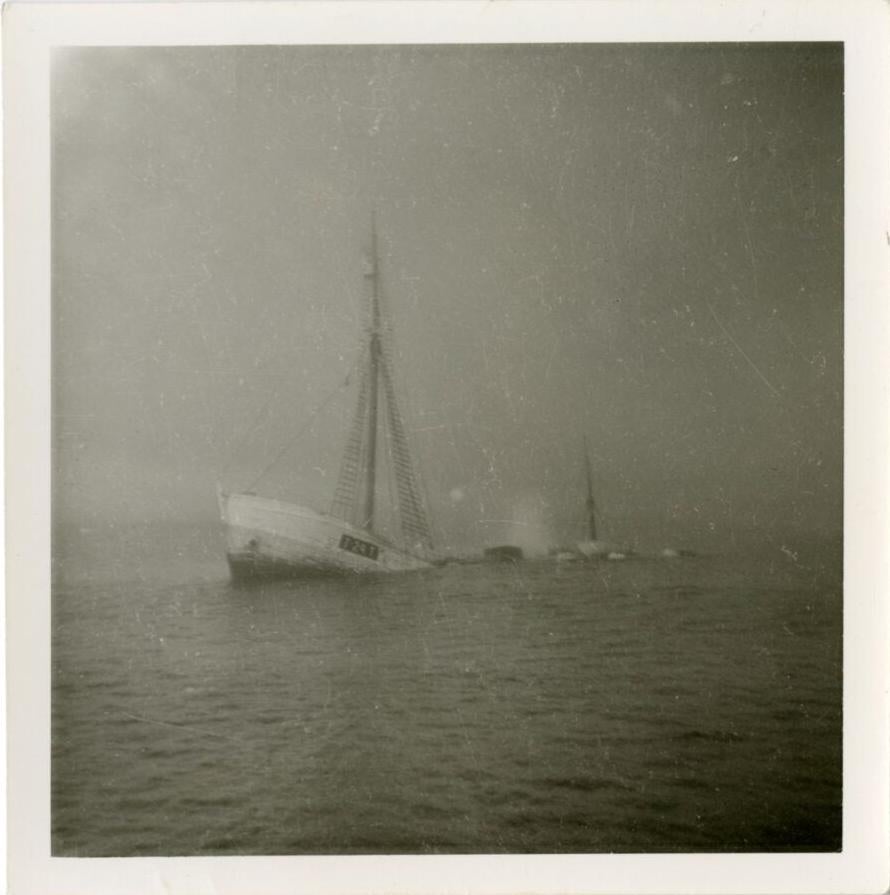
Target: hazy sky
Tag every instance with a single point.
(642, 244)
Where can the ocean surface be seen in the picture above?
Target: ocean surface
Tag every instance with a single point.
(647, 705)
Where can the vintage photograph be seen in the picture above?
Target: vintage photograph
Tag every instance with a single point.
(447, 449)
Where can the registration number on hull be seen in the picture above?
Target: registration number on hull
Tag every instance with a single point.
(359, 547)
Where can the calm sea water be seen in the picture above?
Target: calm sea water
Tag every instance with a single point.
(637, 706)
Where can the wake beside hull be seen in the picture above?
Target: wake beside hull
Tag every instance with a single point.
(268, 538)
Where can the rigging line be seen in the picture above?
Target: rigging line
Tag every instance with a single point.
(409, 532)
(287, 446)
(394, 502)
(247, 433)
(344, 500)
(412, 514)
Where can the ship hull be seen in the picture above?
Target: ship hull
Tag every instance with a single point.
(268, 538)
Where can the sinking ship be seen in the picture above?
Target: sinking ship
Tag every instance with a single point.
(270, 537)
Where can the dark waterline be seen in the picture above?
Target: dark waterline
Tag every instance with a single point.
(643, 706)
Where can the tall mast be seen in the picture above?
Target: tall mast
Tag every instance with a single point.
(591, 504)
(354, 497)
(374, 360)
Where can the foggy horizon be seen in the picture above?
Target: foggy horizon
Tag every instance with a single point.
(637, 244)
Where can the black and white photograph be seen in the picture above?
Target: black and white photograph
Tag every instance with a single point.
(447, 448)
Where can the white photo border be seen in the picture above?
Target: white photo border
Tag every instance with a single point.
(31, 30)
